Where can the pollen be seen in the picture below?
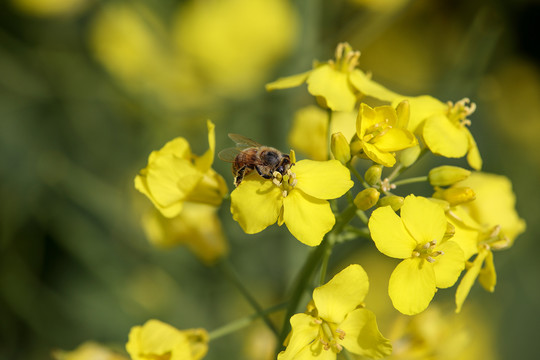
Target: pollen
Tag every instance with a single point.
(285, 182)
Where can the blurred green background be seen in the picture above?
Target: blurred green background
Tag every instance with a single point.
(89, 88)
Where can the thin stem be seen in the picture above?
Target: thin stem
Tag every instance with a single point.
(411, 180)
(363, 232)
(329, 133)
(234, 278)
(242, 322)
(395, 172)
(400, 169)
(362, 216)
(357, 175)
(325, 258)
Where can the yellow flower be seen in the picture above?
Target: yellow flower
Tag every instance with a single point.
(298, 199)
(419, 237)
(197, 227)
(337, 84)
(88, 351)
(488, 223)
(337, 319)
(444, 127)
(174, 175)
(159, 341)
(382, 131)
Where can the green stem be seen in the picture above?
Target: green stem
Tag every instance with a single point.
(362, 216)
(363, 232)
(234, 278)
(329, 133)
(411, 180)
(357, 175)
(400, 169)
(242, 323)
(325, 258)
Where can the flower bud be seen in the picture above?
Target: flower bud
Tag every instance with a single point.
(393, 200)
(366, 198)
(356, 146)
(408, 156)
(447, 175)
(455, 195)
(340, 148)
(373, 174)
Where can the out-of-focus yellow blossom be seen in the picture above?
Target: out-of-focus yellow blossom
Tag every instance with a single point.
(174, 175)
(488, 223)
(443, 127)
(382, 131)
(234, 43)
(337, 84)
(197, 227)
(47, 8)
(419, 237)
(298, 199)
(161, 341)
(309, 133)
(337, 319)
(88, 351)
(435, 335)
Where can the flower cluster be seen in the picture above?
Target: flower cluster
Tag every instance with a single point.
(326, 200)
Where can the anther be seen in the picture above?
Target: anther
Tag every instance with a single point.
(341, 334)
(430, 259)
(415, 254)
(284, 193)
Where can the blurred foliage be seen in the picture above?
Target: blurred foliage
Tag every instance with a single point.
(89, 88)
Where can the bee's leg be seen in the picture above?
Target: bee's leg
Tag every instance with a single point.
(266, 176)
(239, 175)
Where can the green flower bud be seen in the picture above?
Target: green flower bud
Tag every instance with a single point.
(447, 175)
(408, 156)
(373, 174)
(393, 200)
(340, 148)
(455, 195)
(366, 198)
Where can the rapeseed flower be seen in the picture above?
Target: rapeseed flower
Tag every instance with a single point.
(488, 223)
(444, 127)
(88, 351)
(337, 84)
(382, 131)
(174, 175)
(161, 341)
(337, 319)
(420, 237)
(298, 199)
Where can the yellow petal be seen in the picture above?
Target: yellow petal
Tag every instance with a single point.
(179, 147)
(204, 162)
(389, 234)
(424, 219)
(421, 107)
(445, 138)
(342, 294)
(310, 131)
(367, 118)
(167, 211)
(469, 278)
(412, 286)
(306, 217)
(395, 139)
(449, 265)
(488, 277)
(322, 179)
(304, 332)
(371, 88)
(380, 157)
(465, 236)
(473, 156)
(288, 82)
(333, 85)
(256, 204)
(362, 335)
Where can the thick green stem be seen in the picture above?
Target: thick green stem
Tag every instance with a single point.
(242, 323)
(234, 278)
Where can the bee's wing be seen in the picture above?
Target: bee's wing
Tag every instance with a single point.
(229, 154)
(243, 142)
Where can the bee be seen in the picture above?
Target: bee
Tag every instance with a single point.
(249, 155)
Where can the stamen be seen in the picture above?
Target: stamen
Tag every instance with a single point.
(415, 254)
(341, 334)
(430, 259)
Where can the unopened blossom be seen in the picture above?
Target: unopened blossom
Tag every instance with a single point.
(337, 84)
(337, 319)
(420, 237)
(297, 199)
